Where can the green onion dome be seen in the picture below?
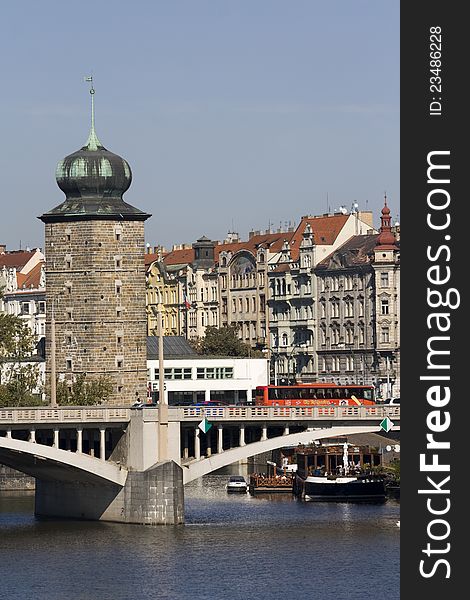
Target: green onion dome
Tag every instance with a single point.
(93, 171)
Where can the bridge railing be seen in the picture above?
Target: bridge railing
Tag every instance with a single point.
(65, 414)
(283, 412)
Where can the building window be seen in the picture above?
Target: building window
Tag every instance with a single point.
(335, 337)
(119, 363)
(335, 309)
(385, 335)
(384, 279)
(25, 308)
(214, 373)
(68, 364)
(349, 363)
(361, 335)
(41, 307)
(384, 306)
(335, 366)
(174, 373)
(361, 307)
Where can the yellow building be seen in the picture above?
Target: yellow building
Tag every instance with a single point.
(162, 287)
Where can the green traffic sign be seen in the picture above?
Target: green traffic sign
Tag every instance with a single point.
(386, 424)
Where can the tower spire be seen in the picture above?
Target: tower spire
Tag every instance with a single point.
(93, 143)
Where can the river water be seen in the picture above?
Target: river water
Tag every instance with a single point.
(232, 546)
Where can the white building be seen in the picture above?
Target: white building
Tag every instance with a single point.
(194, 379)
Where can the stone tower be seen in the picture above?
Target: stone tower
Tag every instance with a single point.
(95, 274)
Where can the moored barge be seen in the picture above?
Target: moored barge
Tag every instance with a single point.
(330, 473)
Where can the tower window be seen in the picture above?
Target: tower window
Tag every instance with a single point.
(68, 364)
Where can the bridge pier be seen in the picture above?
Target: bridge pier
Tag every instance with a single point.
(151, 497)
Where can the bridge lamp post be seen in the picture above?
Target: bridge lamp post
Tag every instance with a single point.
(53, 357)
(162, 398)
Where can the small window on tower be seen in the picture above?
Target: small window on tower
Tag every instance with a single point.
(68, 364)
(118, 312)
(119, 363)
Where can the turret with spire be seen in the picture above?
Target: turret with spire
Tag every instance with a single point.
(386, 238)
(95, 273)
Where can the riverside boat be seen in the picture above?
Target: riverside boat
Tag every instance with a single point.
(236, 484)
(329, 473)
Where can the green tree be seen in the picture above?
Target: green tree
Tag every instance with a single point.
(19, 376)
(223, 342)
(82, 392)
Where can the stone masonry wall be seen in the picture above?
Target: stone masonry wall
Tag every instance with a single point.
(14, 480)
(95, 281)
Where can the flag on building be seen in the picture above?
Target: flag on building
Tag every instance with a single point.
(187, 303)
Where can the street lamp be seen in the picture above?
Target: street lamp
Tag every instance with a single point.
(294, 370)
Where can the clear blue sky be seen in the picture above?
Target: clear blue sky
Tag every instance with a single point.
(232, 114)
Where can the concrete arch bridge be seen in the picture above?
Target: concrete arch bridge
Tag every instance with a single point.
(109, 463)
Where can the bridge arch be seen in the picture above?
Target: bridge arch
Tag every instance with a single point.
(197, 468)
(49, 463)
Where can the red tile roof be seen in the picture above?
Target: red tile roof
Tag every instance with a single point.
(273, 241)
(179, 257)
(150, 258)
(31, 279)
(17, 259)
(325, 231)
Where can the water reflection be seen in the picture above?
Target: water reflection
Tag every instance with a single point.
(232, 546)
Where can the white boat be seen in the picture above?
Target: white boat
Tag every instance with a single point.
(236, 483)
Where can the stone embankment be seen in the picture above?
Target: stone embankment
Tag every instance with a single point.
(11, 480)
